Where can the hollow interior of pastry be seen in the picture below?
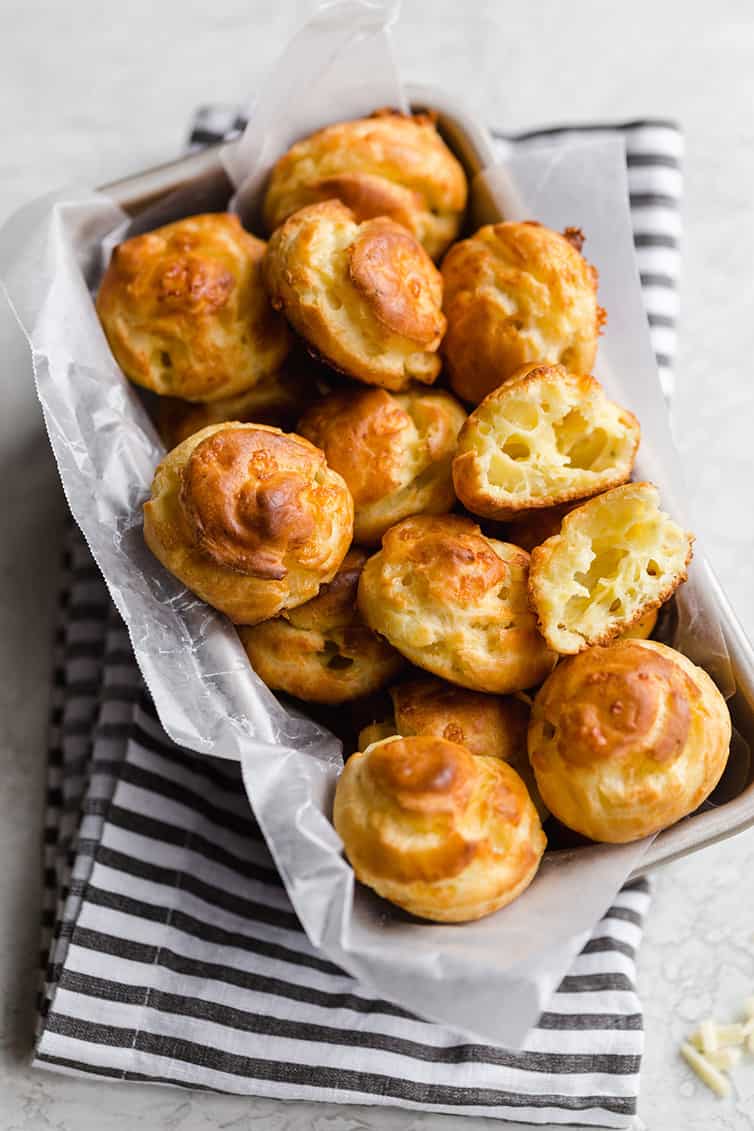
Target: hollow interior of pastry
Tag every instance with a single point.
(546, 440)
(609, 568)
(613, 561)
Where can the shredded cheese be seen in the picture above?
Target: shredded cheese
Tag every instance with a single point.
(713, 1049)
(730, 1035)
(725, 1059)
(705, 1070)
(708, 1038)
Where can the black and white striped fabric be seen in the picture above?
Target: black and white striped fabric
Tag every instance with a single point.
(175, 955)
(171, 952)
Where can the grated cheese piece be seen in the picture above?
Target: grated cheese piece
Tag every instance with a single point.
(708, 1036)
(725, 1059)
(730, 1035)
(750, 1043)
(706, 1071)
(749, 1007)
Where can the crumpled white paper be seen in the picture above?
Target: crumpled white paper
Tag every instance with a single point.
(490, 979)
(340, 58)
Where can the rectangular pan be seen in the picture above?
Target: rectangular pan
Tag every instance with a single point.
(198, 182)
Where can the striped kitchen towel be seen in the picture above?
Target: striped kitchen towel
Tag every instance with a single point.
(176, 956)
(171, 952)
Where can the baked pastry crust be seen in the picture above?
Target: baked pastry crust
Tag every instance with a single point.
(186, 313)
(388, 164)
(249, 518)
(276, 400)
(517, 293)
(494, 725)
(365, 297)
(393, 450)
(455, 603)
(322, 651)
(617, 556)
(641, 629)
(531, 528)
(543, 438)
(444, 834)
(491, 725)
(627, 739)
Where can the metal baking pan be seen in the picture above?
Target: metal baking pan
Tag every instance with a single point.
(198, 183)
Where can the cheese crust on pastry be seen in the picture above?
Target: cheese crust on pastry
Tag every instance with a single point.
(185, 310)
(249, 518)
(492, 725)
(517, 293)
(543, 438)
(617, 556)
(641, 629)
(445, 834)
(455, 603)
(394, 451)
(531, 528)
(322, 651)
(388, 164)
(365, 297)
(626, 739)
(276, 400)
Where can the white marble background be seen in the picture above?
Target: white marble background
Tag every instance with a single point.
(89, 91)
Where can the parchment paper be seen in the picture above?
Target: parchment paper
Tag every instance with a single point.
(491, 979)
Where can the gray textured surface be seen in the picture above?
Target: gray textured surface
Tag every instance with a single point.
(95, 91)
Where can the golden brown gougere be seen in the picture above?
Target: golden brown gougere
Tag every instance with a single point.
(186, 313)
(626, 739)
(322, 651)
(516, 293)
(394, 451)
(365, 297)
(455, 603)
(388, 164)
(249, 518)
(445, 834)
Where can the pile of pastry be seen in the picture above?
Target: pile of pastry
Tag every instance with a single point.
(403, 486)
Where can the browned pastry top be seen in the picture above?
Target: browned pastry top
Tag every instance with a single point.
(249, 497)
(455, 603)
(388, 164)
(444, 833)
(431, 778)
(517, 293)
(186, 313)
(624, 698)
(391, 272)
(448, 556)
(485, 724)
(365, 297)
(627, 738)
